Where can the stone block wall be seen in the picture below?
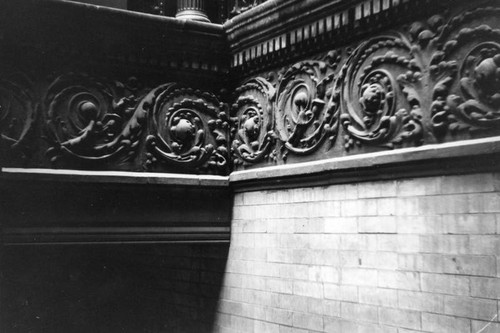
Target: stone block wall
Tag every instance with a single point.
(409, 255)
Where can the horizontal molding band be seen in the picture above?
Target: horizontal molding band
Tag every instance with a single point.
(114, 177)
(122, 14)
(268, 34)
(10, 239)
(111, 230)
(430, 155)
(67, 207)
(469, 156)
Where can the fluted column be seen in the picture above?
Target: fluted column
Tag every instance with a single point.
(192, 10)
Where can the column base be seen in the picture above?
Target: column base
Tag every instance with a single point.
(193, 15)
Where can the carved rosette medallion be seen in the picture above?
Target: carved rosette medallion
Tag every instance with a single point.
(379, 87)
(18, 113)
(466, 69)
(306, 110)
(253, 117)
(188, 129)
(91, 122)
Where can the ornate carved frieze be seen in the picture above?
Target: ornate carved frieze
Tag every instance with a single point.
(438, 80)
(465, 67)
(434, 79)
(188, 129)
(85, 122)
(19, 109)
(253, 122)
(306, 106)
(293, 111)
(91, 122)
(380, 86)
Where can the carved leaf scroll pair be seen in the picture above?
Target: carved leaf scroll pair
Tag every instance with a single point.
(380, 94)
(18, 114)
(189, 129)
(95, 124)
(300, 112)
(466, 66)
(373, 96)
(393, 90)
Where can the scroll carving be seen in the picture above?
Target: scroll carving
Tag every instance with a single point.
(380, 94)
(253, 133)
(297, 110)
(18, 112)
(306, 106)
(189, 129)
(89, 121)
(466, 69)
(434, 80)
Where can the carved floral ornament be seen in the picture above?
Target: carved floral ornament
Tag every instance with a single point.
(438, 81)
(189, 129)
(18, 113)
(252, 133)
(466, 66)
(386, 92)
(93, 123)
(306, 106)
(89, 121)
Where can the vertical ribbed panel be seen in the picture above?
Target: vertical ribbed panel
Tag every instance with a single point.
(191, 5)
(192, 10)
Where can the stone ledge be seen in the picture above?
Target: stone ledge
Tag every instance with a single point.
(448, 158)
(118, 235)
(117, 177)
(42, 207)
(424, 155)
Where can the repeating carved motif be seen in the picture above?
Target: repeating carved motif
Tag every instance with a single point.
(380, 94)
(296, 108)
(188, 129)
(437, 80)
(89, 121)
(253, 131)
(466, 69)
(445, 74)
(18, 113)
(306, 107)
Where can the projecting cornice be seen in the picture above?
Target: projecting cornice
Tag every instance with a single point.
(280, 31)
(43, 207)
(65, 34)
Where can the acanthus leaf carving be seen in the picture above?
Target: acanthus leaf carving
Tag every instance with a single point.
(465, 67)
(253, 122)
(438, 79)
(380, 87)
(307, 106)
(19, 110)
(91, 122)
(188, 129)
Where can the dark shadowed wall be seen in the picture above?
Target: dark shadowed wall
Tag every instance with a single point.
(162, 288)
